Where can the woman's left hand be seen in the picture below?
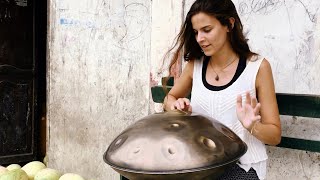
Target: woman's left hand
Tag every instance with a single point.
(248, 114)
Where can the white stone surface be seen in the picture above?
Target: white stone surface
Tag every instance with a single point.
(288, 164)
(301, 127)
(98, 79)
(167, 17)
(287, 34)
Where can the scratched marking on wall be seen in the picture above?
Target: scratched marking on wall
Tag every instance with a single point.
(258, 6)
(126, 25)
(286, 39)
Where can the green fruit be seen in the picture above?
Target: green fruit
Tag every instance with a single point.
(3, 170)
(47, 174)
(45, 160)
(16, 174)
(32, 168)
(71, 176)
(13, 166)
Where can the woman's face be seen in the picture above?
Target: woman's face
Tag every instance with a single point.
(209, 33)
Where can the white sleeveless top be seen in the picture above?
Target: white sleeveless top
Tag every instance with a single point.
(221, 105)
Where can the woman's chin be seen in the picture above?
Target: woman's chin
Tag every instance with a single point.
(207, 53)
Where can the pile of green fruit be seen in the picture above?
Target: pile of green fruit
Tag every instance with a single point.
(34, 170)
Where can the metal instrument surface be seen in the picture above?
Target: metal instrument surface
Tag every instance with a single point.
(174, 145)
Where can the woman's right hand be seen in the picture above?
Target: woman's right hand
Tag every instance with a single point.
(182, 104)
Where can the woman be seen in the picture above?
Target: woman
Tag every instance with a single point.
(220, 72)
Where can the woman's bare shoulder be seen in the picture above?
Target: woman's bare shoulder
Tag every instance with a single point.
(264, 76)
(188, 69)
(265, 64)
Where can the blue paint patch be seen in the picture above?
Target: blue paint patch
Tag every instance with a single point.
(63, 21)
(76, 22)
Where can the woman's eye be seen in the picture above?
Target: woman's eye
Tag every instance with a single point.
(207, 30)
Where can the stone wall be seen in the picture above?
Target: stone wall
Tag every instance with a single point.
(98, 79)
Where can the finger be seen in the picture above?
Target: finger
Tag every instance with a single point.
(256, 110)
(254, 102)
(187, 105)
(186, 108)
(174, 106)
(187, 101)
(239, 102)
(248, 98)
(256, 118)
(181, 104)
(184, 103)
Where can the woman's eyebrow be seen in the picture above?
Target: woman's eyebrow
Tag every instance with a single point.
(204, 27)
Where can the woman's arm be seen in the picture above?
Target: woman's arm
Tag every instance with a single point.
(268, 130)
(175, 99)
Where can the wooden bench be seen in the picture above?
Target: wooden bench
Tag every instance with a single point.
(301, 105)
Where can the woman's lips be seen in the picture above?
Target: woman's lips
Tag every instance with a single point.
(204, 46)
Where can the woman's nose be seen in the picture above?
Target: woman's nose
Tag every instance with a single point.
(200, 37)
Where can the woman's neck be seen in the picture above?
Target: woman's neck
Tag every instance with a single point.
(222, 58)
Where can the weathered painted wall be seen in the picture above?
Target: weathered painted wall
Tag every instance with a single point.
(98, 79)
(167, 17)
(287, 33)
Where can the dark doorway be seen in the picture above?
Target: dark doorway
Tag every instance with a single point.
(22, 79)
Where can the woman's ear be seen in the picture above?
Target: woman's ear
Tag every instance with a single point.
(231, 23)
